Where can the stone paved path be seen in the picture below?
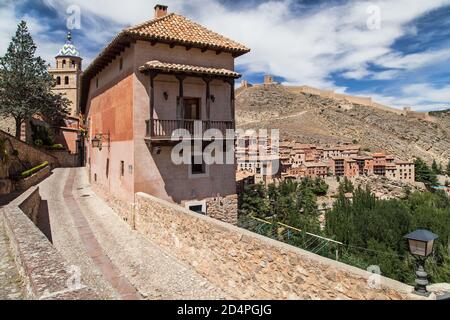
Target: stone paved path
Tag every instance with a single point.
(11, 286)
(116, 261)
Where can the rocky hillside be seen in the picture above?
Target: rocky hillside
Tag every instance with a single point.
(313, 119)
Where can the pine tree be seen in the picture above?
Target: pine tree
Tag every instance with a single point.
(424, 173)
(448, 169)
(435, 167)
(25, 84)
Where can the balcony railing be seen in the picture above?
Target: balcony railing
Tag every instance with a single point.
(164, 129)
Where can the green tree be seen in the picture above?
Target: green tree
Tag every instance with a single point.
(373, 231)
(448, 168)
(435, 167)
(346, 186)
(424, 173)
(254, 200)
(25, 84)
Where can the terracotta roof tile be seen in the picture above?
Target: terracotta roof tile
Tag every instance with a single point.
(176, 28)
(174, 67)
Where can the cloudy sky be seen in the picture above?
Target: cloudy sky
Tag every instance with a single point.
(397, 51)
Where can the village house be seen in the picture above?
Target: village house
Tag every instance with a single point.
(165, 74)
(306, 160)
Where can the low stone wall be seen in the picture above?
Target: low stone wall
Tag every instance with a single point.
(25, 184)
(65, 158)
(223, 208)
(46, 274)
(28, 153)
(30, 206)
(251, 266)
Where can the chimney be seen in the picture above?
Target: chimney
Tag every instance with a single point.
(160, 11)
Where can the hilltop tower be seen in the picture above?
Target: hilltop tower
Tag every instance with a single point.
(67, 73)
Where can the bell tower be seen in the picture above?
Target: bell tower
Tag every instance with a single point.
(67, 74)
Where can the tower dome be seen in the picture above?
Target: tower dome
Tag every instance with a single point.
(69, 50)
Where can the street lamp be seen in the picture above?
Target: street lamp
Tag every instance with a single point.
(96, 142)
(421, 244)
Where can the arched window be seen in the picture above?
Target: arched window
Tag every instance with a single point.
(64, 63)
(66, 80)
(73, 64)
(58, 81)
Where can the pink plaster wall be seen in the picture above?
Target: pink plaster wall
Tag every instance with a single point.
(120, 105)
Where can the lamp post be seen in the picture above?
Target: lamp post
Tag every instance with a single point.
(421, 244)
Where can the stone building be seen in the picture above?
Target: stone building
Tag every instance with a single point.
(67, 74)
(165, 74)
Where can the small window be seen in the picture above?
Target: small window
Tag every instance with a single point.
(107, 168)
(58, 81)
(121, 64)
(122, 168)
(96, 83)
(66, 80)
(197, 209)
(73, 64)
(95, 177)
(64, 63)
(198, 168)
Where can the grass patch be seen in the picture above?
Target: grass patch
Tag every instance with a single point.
(32, 171)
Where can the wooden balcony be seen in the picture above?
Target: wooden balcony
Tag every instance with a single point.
(163, 129)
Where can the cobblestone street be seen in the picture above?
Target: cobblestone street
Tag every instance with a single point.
(113, 259)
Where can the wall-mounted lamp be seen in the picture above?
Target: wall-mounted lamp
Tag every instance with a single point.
(166, 95)
(213, 98)
(97, 140)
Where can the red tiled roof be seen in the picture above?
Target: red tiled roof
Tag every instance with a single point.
(174, 67)
(176, 28)
(171, 29)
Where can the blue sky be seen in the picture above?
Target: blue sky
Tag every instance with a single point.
(396, 51)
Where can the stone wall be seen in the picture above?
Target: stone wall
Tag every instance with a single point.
(365, 101)
(223, 208)
(28, 153)
(251, 266)
(25, 184)
(46, 274)
(30, 206)
(65, 158)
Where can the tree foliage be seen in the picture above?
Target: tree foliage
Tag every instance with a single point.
(448, 168)
(25, 84)
(290, 202)
(424, 173)
(373, 230)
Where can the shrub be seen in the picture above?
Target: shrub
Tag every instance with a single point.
(56, 147)
(38, 143)
(32, 171)
(15, 153)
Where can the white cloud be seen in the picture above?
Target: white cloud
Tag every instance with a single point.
(396, 60)
(302, 47)
(420, 97)
(7, 24)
